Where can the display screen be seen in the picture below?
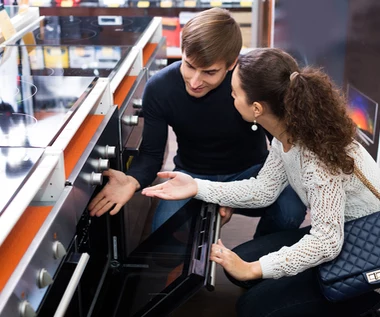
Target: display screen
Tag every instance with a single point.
(364, 111)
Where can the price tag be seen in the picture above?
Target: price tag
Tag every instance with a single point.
(113, 5)
(6, 26)
(107, 51)
(166, 4)
(216, 3)
(143, 4)
(30, 41)
(23, 6)
(245, 3)
(67, 3)
(36, 3)
(190, 3)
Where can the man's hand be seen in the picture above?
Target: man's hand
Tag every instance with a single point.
(226, 214)
(115, 194)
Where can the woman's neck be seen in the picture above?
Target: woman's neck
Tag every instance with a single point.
(278, 130)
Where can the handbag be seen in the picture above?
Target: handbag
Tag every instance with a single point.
(356, 270)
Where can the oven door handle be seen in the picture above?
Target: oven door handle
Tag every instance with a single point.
(71, 287)
(211, 284)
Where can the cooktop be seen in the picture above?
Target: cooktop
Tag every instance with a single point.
(16, 164)
(34, 109)
(64, 60)
(91, 30)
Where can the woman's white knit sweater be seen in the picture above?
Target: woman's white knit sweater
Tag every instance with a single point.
(331, 199)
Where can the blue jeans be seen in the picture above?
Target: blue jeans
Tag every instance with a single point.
(287, 212)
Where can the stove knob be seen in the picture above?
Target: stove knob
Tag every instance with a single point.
(103, 165)
(130, 120)
(26, 310)
(44, 279)
(96, 179)
(137, 103)
(59, 250)
(110, 152)
(161, 62)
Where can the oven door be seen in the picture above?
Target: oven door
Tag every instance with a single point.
(169, 266)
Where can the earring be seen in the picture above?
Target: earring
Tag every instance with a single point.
(254, 126)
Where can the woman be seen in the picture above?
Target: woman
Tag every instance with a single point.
(314, 151)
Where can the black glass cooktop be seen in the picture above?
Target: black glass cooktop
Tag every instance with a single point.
(16, 164)
(64, 60)
(91, 30)
(34, 109)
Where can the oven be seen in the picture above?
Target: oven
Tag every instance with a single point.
(158, 59)
(63, 270)
(131, 129)
(167, 268)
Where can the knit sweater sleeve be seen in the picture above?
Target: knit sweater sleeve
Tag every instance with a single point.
(326, 197)
(251, 193)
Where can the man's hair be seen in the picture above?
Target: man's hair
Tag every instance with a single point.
(212, 36)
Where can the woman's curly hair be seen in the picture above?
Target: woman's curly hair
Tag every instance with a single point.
(313, 109)
(316, 118)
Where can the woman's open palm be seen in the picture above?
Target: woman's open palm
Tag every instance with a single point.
(180, 186)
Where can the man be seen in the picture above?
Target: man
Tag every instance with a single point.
(193, 96)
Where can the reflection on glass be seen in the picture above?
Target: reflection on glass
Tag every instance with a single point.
(171, 264)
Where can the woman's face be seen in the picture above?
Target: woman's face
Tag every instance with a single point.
(239, 96)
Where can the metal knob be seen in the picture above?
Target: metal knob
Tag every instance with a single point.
(137, 103)
(59, 250)
(110, 152)
(161, 61)
(103, 165)
(96, 179)
(130, 120)
(44, 279)
(26, 310)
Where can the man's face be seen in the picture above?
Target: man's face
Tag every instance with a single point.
(199, 81)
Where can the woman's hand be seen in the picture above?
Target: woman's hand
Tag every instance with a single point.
(234, 265)
(226, 214)
(180, 186)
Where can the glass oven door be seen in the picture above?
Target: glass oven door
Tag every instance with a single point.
(169, 266)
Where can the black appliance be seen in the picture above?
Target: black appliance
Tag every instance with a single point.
(158, 276)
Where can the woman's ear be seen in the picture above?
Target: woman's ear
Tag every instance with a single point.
(258, 109)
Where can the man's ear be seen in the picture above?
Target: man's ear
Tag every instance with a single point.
(233, 64)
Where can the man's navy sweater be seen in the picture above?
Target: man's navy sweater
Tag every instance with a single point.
(212, 137)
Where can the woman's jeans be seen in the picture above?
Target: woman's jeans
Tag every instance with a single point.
(293, 296)
(287, 212)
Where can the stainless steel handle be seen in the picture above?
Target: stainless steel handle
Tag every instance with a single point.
(73, 284)
(213, 264)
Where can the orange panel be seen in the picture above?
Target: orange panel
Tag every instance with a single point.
(123, 89)
(148, 51)
(19, 239)
(80, 141)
